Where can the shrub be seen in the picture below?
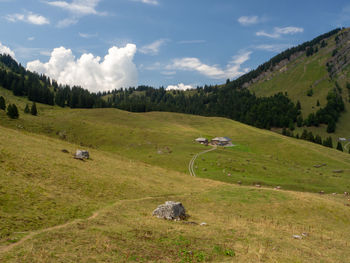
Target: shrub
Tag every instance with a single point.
(12, 111)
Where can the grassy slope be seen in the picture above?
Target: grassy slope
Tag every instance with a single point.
(296, 81)
(166, 140)
(43, 187)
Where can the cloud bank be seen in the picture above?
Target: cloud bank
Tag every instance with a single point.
(279, 31)
(115, 71)
(6, 50)
(232, 70)
(180, 86)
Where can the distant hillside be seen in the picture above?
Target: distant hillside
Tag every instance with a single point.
(309, 77)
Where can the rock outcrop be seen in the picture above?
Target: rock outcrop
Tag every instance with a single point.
(171, 211)
(81, 154)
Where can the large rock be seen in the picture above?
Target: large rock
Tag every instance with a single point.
(170, 210)
(82, 154)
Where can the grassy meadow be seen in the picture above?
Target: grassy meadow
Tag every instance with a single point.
(167, 140)
(100, 210)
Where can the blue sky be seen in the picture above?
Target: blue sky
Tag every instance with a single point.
(106, 44)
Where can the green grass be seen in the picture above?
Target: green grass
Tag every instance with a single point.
(244, 225)
(167, 140)
(300, 75)
(138, 162)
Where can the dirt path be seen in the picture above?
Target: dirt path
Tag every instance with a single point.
(190, 165)
(31, 234)
(346, 146)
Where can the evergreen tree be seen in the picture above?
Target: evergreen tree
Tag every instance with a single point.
(300, 121)
(328, 142)
(310, 92)
(26, 109)
(33, 110)
(318, 139)
(12, 111)
(284, 131)
(339, 147)
(291, 125)
(2, 103)
(304, 135)
(318, 103)
(310, 137)
(331, 126)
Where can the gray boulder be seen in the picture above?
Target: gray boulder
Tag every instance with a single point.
(82, 154)
(171, 211)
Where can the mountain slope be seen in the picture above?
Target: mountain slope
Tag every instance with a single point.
(309, 79)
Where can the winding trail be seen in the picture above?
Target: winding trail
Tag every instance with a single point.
(190, 165)
(31, 234)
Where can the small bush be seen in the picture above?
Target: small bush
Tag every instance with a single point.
(12, 111)
(310, 92)
(2, 103)
(230, 253)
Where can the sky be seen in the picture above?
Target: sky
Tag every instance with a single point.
(178, 44)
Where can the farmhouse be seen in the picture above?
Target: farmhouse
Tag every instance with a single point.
(202, 141)
(221, 141)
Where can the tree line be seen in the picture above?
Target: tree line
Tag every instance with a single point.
(237, 104)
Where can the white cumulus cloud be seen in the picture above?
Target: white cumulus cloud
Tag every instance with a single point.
(6, 50)
(279, 31)
(30, 18)
(115, 71)
(248, 20)
(153, 48)
(179, 86)
(232, 70)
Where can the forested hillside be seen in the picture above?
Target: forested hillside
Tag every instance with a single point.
(318, 79)
(40, 88)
